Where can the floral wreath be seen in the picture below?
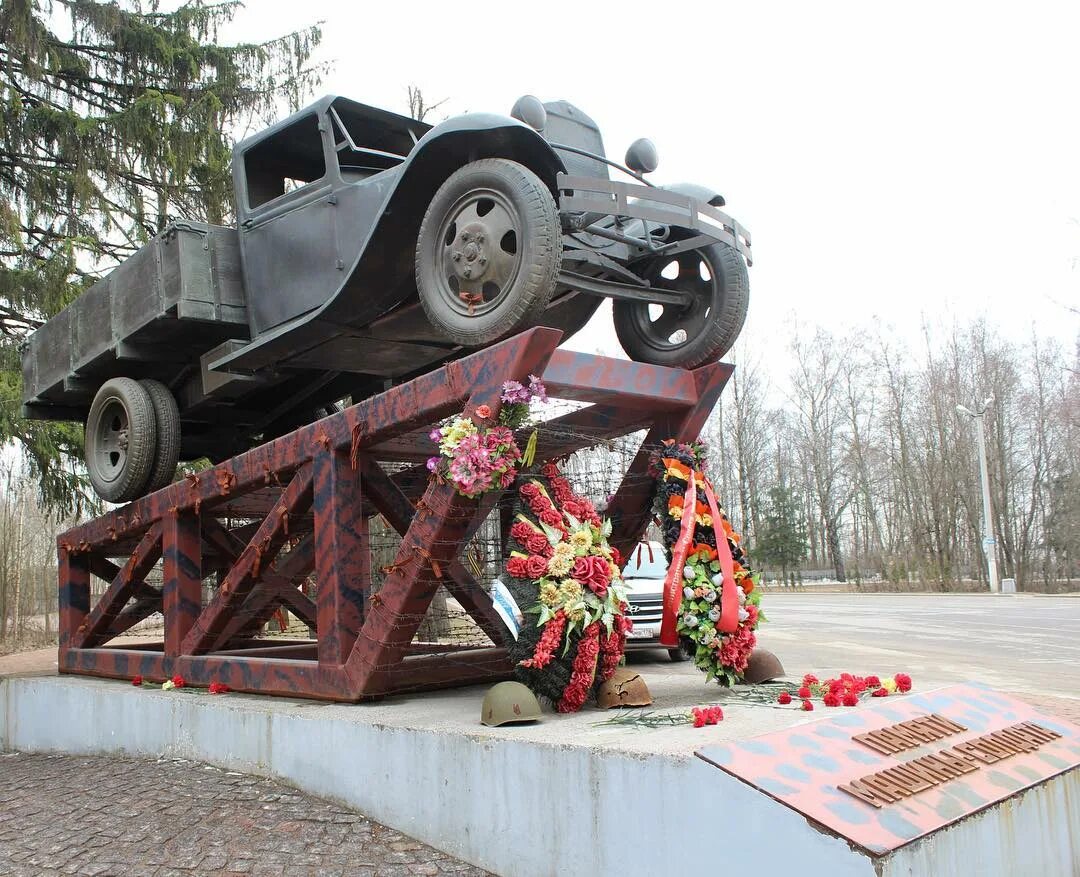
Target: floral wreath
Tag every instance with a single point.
(710, 597)
(478, 454)
(566, 573)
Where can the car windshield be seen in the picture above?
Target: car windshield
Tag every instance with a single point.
(645, 563)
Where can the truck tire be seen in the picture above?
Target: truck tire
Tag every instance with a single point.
(167, 422)
(121, 436)
(692, 336)
(488, 252)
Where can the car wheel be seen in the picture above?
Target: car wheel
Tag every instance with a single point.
(167, 422)
(680, 654)
(121, 437)
(488, 252)
(693, 335)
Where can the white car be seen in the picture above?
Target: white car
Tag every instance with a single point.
(643, 576)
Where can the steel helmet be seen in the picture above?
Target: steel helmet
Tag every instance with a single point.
(624, 688)
(764, 666)
(509, 702)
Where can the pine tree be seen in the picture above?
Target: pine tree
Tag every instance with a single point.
(114, 119)
(782, 535)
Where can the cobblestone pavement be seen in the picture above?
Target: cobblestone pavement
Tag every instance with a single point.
(170, 818)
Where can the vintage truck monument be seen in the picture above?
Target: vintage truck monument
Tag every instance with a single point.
(369, 249)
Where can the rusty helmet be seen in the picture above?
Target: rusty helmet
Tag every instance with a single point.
(507, 703)
(764, 666)
(624, 688)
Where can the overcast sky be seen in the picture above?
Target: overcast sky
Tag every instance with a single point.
(894, 163)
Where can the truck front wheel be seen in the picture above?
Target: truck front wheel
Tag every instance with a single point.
(121, 439)
(699, 333)
(488, 252)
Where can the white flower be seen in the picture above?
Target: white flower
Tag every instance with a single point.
(743, 614)
(742, 595)
(688, 572)
(690, 620)
(714, 614)
(718, 579)
(168, 685)
(688, 593)
(710, 596)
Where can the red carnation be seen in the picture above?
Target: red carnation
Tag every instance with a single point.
(804, 692)
(873, 682)
(851, 699)
(518, 567)
(535, 566)
(521, 531)
(540, 504)
(218, 688)
(549, 640)
(616, 557)
(903, 682)
(137, 680)
(594, 572)
(574, 507)
(178, 681)
(809, 679)
(807, 706)
(537, 543)
(483, 412)
(831, 699)
(881, 692)
(549, 470)
(529, 490)
(552, 518)
(784, 698)
(584, 671)
(699, 717)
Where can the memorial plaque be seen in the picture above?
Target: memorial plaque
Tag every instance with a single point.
(896, 769)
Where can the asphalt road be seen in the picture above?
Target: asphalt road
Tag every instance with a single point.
(1023, 643)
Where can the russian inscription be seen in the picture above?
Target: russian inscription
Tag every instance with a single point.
(919, 774)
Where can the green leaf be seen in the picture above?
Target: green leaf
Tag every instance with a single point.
(530, 450)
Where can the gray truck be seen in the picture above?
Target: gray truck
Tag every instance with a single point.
(370, 248)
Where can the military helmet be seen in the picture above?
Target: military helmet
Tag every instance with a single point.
(764, 666)
(624, 688)
(509, 702)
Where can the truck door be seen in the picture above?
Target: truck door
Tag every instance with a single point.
(284, 204)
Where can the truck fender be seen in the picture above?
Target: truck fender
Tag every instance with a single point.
(462, 139)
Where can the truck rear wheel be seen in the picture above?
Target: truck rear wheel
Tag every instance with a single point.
(121, 438)
(167, 446)
(488, 252)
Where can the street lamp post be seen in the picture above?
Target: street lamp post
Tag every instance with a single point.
(989, 542)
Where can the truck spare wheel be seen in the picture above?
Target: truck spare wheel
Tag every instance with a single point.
(121, 437)
(488, 252)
